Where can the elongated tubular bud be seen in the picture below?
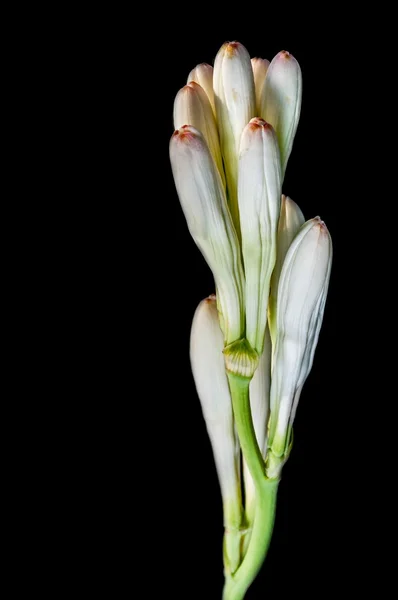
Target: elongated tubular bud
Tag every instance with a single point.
(259, 405)
(259, 196)
(290, 221)
(281, 101)
(203, 75)
(235, 105)
(192, 107)
(260, 68)
(207, 361)
(202, 197)
(302, 291)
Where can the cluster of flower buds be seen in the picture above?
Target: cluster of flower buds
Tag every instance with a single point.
(234, 131)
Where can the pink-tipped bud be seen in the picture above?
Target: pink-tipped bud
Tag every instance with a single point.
(203, 75)
(192, 107)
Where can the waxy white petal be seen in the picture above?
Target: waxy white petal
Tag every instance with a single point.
(302, 292)
(203, 75)
(281, 101)
(207, 361)
(260, 68)
(202, 197)
(235, 105)
(290, 221)
(259, 405)
(259, 193)
(192, 107)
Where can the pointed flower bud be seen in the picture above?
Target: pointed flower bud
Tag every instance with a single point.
(206, 346)
(203, 75)
(192, 107)
(259, 196)
(260, 68)
(290, 221)
(281, 101)
(203, 201)
(259, 405)
(235, 105)
(302, 292)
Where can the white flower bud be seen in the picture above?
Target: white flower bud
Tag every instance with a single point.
(235, 105)
(259, 405)
(260, 68)
(207, 361)
(281, 101)
(259, 196)
(302, 292)
(192, 107)
(290, 221)
(203, 75)
(202, 197)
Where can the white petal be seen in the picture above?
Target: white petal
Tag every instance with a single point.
(207, 361)
(203, 75)
(202, 197)
(290, 221)
(302, 291)
(260, 68)
(259, 194)
(281, 101)
(235, 105)
(259, 405)
(192, 107)
(259, 394)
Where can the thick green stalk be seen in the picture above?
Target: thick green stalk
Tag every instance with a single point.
(237, 584)
(239, 387)
(232, 535)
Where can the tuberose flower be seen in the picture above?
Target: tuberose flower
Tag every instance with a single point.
(302, 292)
(281, 101)
(203, 200)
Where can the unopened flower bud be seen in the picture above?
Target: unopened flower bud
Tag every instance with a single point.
(260, 68)
(302, 292)
(206, 352)
(259, 194)
(281, 101)
(235, 105)
(192, 107)
(259, 406)
(203, 75)
(202, 197)
(290, 221)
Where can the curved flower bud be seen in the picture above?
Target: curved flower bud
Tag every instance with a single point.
(259, 405)
(202, 197)
(259, 194)
(281, 101)
(203, 75)
(192, 107)
(302, 292)
(260, 68)
(206, 346)
(290, 221)
(235, 105)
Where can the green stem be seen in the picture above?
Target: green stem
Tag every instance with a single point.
(237, 584)
(239, 387)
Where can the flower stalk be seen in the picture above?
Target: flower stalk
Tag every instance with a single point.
(238, 583)
(253, 343)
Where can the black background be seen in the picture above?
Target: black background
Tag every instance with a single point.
(160, 502)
